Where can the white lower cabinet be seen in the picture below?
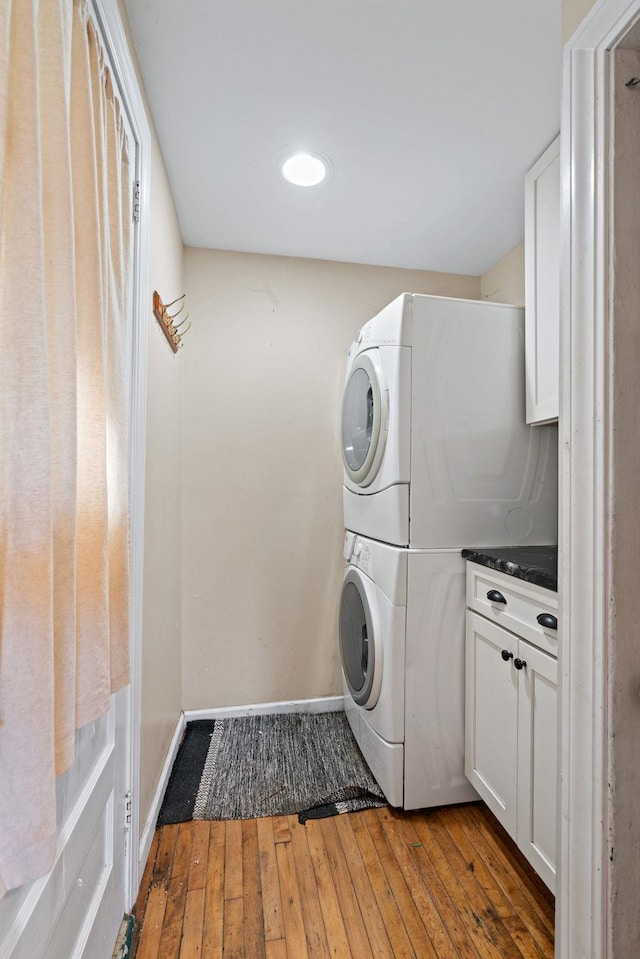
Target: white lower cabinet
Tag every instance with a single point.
(491, 718)
(538, 760)
(511, 735)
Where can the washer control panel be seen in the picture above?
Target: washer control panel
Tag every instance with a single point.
(358, 552)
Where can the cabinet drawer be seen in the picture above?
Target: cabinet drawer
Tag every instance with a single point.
(523, 604)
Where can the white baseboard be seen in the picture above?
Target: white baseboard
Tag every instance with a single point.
(324, 704)
(150, 825)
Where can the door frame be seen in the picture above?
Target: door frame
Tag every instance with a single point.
(599, 883)
(114, 37)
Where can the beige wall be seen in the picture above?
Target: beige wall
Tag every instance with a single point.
(573, 13)
(261, 483)
(504, 282)
(261, 548)
(161, 661)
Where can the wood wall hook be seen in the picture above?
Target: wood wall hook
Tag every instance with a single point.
(168, 327)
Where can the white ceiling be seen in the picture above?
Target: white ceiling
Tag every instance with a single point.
(430, 112)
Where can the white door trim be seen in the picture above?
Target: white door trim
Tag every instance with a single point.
(115, 38)
(590, 914)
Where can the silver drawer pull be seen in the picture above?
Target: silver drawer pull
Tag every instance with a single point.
(547, 621)
(495, 597)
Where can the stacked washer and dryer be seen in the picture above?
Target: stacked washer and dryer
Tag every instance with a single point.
(437, 456)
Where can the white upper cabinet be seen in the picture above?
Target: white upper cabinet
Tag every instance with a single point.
(542, 285)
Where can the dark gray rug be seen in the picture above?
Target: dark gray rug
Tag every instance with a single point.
(277, 765)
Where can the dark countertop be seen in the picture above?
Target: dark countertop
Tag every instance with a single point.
(534, 564)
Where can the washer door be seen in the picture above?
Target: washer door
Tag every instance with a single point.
(360, 647)
(365, 418)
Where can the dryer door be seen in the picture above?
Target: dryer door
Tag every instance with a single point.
(365, 419)
(360, 647)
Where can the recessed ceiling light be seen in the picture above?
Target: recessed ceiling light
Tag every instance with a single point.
(304, 169)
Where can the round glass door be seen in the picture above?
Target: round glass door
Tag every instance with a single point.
(362, 416)
(357, 646)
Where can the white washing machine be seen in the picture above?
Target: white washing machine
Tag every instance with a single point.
(435, 447)
(402, 647)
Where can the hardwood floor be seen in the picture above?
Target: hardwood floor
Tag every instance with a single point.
(379, 884)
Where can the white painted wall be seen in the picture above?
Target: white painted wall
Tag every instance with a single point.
(261, 483)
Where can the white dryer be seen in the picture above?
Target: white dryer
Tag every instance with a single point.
(402, 648)
(435, 447)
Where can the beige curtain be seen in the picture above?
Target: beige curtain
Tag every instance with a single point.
(65, 267)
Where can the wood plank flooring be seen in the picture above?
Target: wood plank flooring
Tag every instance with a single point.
(379, 884)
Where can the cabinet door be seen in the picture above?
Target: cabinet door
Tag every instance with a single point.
(491, 717)
(538, 760)
(542, 286)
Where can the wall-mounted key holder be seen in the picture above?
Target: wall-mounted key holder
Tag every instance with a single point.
(172, 331)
